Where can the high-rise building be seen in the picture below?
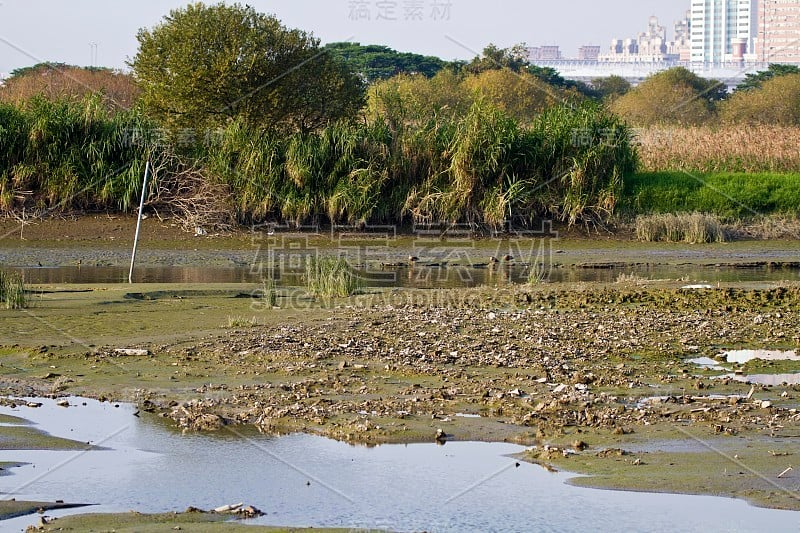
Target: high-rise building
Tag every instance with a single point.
(778, 31)
(723, 30)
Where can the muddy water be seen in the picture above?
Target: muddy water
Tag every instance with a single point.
(302, 480)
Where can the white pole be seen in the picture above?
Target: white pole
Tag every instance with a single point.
(139, 219)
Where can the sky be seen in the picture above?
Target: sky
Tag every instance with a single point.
(103, 32)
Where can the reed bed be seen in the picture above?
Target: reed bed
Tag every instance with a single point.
(692, 228)
(481, 167)
(763, 148)
(71, 155)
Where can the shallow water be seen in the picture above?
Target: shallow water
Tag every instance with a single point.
(707, 363)
(302, 480)
(421, 276)
(765, 379)
(745, 356)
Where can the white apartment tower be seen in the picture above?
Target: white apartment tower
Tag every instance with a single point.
(723, 30)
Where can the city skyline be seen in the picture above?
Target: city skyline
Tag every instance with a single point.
(87, 32)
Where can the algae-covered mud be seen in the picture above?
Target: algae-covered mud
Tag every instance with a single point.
(597, 378)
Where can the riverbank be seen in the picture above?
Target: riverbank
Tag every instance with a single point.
(106, 241)
(535, 365)
(597, 369)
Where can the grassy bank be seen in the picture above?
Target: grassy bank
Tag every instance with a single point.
(162, 523)
(727, 195)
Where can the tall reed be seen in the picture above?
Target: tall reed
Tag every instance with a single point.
(482, 167)
(12, 290)
(692, 228)
(331, 277)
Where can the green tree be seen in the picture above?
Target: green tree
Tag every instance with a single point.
(754, 81)
(775, 101)
(375, 62)
(611, 87)
(494, 58)
(674, 96)
(521, 96)
(515, 59)
(415, 99)
(203, 66)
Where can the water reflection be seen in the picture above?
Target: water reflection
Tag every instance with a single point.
(403, 275)
(303, 480)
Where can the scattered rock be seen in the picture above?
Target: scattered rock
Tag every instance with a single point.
(131, 352)
(248, 512)
(579, 445)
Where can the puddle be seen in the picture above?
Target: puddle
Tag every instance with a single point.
(707, 363)
(743, 356)
(304, 480)
(765, 379)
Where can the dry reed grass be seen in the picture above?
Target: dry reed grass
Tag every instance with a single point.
(720, 149)
(692, 228)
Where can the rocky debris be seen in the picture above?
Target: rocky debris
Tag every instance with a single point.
(558, 360)
(241, 510)
(612, 452)
(248, 512)
(197, 416)
(579, 445)
(131, 352)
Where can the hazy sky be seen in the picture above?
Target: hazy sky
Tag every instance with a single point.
(62, 30)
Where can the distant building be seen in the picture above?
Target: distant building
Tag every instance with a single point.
(778, 39)
(550, 53)
(544, 53)
(650, 46)
(723, 30)
(681, 46)
(588, 53)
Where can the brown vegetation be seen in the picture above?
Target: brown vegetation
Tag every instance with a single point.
(765, 148)
(56, 81)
